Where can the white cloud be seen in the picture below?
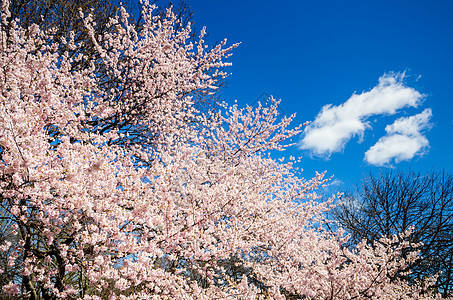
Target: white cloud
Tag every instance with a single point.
(403, 140)
(411, 125)
(397, 146)
(335, 183)
(334, 126)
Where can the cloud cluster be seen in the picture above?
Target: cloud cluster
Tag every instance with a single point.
(336, 125)
(402, 141)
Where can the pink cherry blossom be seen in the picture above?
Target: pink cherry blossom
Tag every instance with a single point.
(118, 187)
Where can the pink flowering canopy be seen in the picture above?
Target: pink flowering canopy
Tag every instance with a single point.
(115, 186)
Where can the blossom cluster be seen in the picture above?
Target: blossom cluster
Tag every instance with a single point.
(117, 187)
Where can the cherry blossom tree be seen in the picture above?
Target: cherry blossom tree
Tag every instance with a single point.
(130, 192)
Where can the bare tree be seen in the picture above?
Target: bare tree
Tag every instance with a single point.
(393, 202)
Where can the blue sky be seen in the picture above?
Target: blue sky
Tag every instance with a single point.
(395, 56)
